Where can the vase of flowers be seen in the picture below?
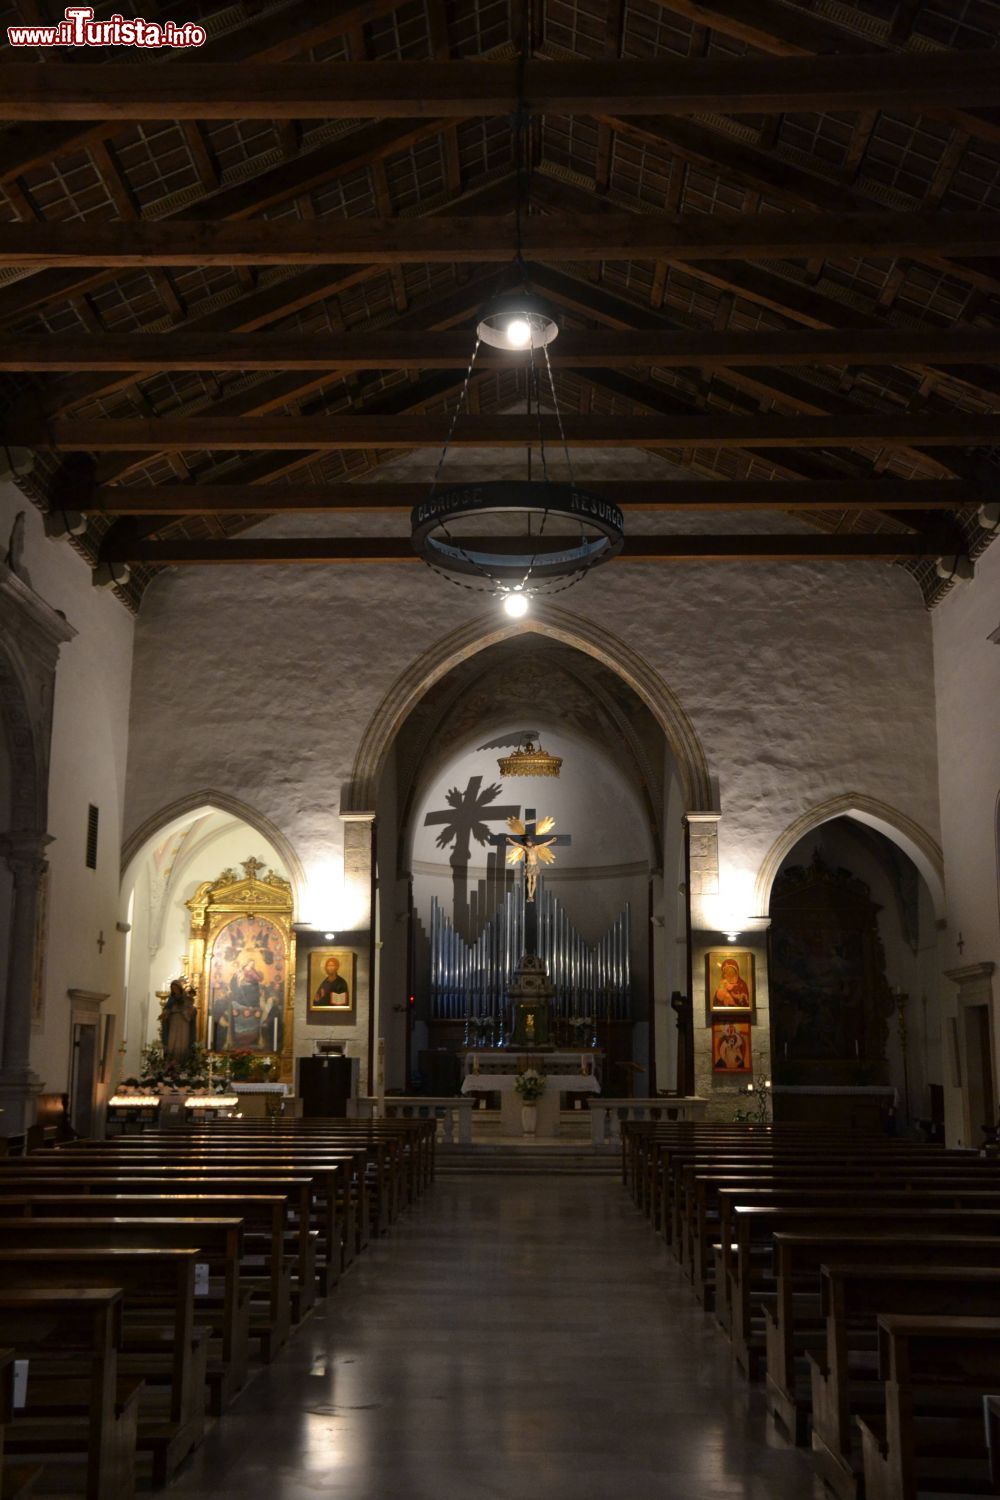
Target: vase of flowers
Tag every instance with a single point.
(530, 1085)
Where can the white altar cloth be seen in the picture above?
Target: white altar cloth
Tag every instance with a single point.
(548, 1104)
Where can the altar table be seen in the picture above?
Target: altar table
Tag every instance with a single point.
(510, 1099)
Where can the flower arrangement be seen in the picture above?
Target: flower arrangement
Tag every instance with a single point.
(530, 1085)
(246, 1066)
(193, 1076)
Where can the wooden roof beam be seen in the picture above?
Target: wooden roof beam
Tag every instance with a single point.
(273, 39)
(331, 433)
(790, 31)
(382, 90)
(669, 494)
(842, 547)
(411, 349)
(445, 239)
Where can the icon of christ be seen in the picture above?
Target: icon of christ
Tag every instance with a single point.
(529, 848)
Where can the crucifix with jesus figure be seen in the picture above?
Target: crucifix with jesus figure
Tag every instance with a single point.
(526, 843)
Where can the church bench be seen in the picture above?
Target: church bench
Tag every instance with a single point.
(679, 1169)
(644, 1148)
(842, 1373)
(71, 1337)
(991, 1420)
(670, 1161)
(857, 1190)
(224, 1308)
(265, 1210)
(904, 1451)
(327, 1234)
(340, 1201)
(708, 1260)
(315, 1232)
(16, 1480)
(395, 1164)
(157, 1282)
(263, 1218)
(794, 1325)
(700, 1224)
(751, 1284)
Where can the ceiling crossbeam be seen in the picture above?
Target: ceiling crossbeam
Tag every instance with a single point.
(383, 90)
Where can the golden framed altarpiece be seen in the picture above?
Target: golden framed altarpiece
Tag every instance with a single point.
(242, 964)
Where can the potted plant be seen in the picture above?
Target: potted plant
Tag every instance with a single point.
(530, 1085)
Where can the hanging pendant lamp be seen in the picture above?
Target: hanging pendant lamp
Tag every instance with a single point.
(517, 538)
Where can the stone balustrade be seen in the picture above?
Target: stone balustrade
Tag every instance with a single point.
(451, 1112)
(608, 1115)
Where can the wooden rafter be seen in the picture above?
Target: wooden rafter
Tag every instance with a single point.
(441, 239)
(275, 38)
(845, 547)
(718, 430)
(751, 85)
(676, 494)
(400, 348)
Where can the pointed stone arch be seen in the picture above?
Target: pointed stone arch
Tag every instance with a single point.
(906, 834)
(359, 796)
(216, 802)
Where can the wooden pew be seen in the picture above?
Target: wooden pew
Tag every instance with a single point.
(691, 1182)
(729, 1310)
(78, 1411)
(271, 1289)
(853, 1299)
(750, 1275)
(702, 1194)
(326, 1219)
(702, 1225)
(991, 1421)
(151, 1280)
(794, 1323)
(376, 1167)
(263, 1217)
(16, 1480)
(955, 1360)
(225, 1306)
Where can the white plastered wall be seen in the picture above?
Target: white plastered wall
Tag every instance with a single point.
(967, 681)
(89, 748)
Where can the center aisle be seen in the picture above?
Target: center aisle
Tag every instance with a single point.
(514, 1337)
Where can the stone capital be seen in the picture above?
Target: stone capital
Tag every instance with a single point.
(24, 853)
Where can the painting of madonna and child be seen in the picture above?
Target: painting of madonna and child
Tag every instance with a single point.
(248, 974)
(729, 984)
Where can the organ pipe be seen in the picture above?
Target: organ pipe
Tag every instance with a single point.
(475, 978)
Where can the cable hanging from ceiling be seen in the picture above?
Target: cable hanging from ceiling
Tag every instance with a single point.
(564, 530)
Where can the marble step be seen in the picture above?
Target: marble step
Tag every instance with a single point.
(530, 1160)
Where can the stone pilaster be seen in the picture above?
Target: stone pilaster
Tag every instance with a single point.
(24, 854)
(359, 856)
(722, 1090)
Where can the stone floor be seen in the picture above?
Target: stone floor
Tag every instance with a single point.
(512, 1339)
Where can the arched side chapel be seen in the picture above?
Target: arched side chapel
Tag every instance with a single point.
(740, 749)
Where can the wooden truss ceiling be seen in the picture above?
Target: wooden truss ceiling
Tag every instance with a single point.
(235, 282)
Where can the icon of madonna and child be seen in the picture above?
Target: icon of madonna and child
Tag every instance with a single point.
(247, 982)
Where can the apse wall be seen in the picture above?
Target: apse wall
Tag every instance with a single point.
(801, 682)
(89, 747)
(607, 863)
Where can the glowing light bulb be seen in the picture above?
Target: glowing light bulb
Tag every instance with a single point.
(516, 605)
(518, 332)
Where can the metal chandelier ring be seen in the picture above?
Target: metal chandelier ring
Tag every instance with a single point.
(507, 560)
